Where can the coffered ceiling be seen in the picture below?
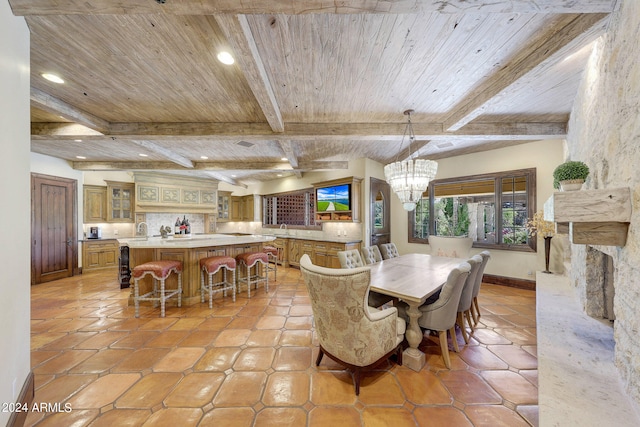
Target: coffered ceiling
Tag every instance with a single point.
(316, 82)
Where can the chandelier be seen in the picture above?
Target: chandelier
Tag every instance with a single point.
(410, 178)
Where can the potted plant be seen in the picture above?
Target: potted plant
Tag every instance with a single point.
(570, 175)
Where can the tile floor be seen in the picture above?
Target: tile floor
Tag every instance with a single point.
(252, 363)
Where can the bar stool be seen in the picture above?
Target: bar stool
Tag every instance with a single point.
(272, 254)
(211, 266)
(250, 260)
(159, 270)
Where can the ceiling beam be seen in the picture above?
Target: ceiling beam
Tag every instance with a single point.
(236, 30)
(300, 132)
(207, 166)
(53, 105)
(289, 153)
(224, 178)
(554, 46)
(295, 7)
(164, 152)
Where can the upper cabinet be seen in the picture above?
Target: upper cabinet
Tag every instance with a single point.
(95, 203)
(245, 208)
(224, 203)
(120, 201)
(338, 200)
(175, 194)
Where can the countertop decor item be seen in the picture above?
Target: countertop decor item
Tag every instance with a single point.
(570, 175)
(546, 229)
(409, 178)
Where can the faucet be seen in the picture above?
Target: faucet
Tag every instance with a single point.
(285, 228)
(146, 227)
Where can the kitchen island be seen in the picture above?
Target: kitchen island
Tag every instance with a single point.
(189, 251)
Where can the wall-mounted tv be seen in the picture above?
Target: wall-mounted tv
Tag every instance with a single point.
(335, 198)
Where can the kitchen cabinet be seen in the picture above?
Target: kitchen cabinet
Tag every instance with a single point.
(236, 208)
(245, 208)
(94, 204)
(224, 206)
(120, 201)
(322, 253)
(98, 254)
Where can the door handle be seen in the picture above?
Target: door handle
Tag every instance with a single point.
(69, 241)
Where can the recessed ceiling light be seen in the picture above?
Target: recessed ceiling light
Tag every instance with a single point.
(279, 174)
(284, 159)
(226, 58)
(233, 176)
(52, 78)
(204, 157)
(143, 155)
(80, 157)
(77, 140)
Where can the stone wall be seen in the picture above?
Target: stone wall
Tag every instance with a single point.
(604, 132)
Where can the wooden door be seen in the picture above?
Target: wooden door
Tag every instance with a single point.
(54, 246)
(380, 225)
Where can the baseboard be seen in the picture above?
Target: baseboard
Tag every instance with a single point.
(510, 281)
(25, 398)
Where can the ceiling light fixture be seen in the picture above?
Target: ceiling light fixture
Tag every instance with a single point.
(226, 58)
(204, 157)
(143, 155)
(52, 78)
(80, 157)
(410, 178)
(284, 159)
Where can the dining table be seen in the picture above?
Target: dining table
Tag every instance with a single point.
(412, 278)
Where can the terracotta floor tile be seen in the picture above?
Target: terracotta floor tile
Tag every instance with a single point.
(232, 337)
(512, 387)
(424, 387)
(150, 391)
(494, 416)
(255, 359)
(385, 416)
(171, 417)
(217, 359)
(292, 359)
(271, 322)
(241, 389)
(195, 390)
(514, 356)
(141, 360)
(236, 417)
(332, 388)
(100, 362)
(103, 391)
(252, 363)
(178, 360)
(122, 418)
(287, 389)
(334, 417)
(469, 388)
(441, 416)
(269, 417)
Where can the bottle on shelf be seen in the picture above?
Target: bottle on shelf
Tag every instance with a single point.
(188, 227)
(176, 227)
(183, 225)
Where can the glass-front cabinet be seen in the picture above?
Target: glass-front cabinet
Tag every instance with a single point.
(224, 201)
(120, 200)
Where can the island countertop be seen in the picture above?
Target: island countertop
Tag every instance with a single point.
(195, 241)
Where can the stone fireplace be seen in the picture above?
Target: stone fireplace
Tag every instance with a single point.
(599, 284)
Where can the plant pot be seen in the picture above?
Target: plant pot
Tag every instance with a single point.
(571, 184)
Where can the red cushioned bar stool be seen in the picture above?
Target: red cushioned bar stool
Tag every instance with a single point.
(209, 267)
(253, 260)
(159, 270)
(272, 254)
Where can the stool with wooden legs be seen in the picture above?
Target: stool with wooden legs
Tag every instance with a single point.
(159, 270)
(209, 267)
(272, 255)
(249, 261)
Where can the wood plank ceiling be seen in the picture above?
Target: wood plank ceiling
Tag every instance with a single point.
(318, 83)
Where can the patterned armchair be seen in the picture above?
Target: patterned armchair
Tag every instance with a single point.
(389, 250)
(349, 331)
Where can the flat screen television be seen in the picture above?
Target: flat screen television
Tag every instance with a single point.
(333, 199)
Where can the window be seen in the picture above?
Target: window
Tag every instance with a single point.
(492, 209)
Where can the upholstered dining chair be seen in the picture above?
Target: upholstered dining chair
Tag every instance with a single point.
(349, 331)
(389, 250)
(371, 255)
(475, 308)
(441, 315)
(466, 299)
(350, 259)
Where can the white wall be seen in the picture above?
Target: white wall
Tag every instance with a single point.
(15, 192)
(544, 156)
